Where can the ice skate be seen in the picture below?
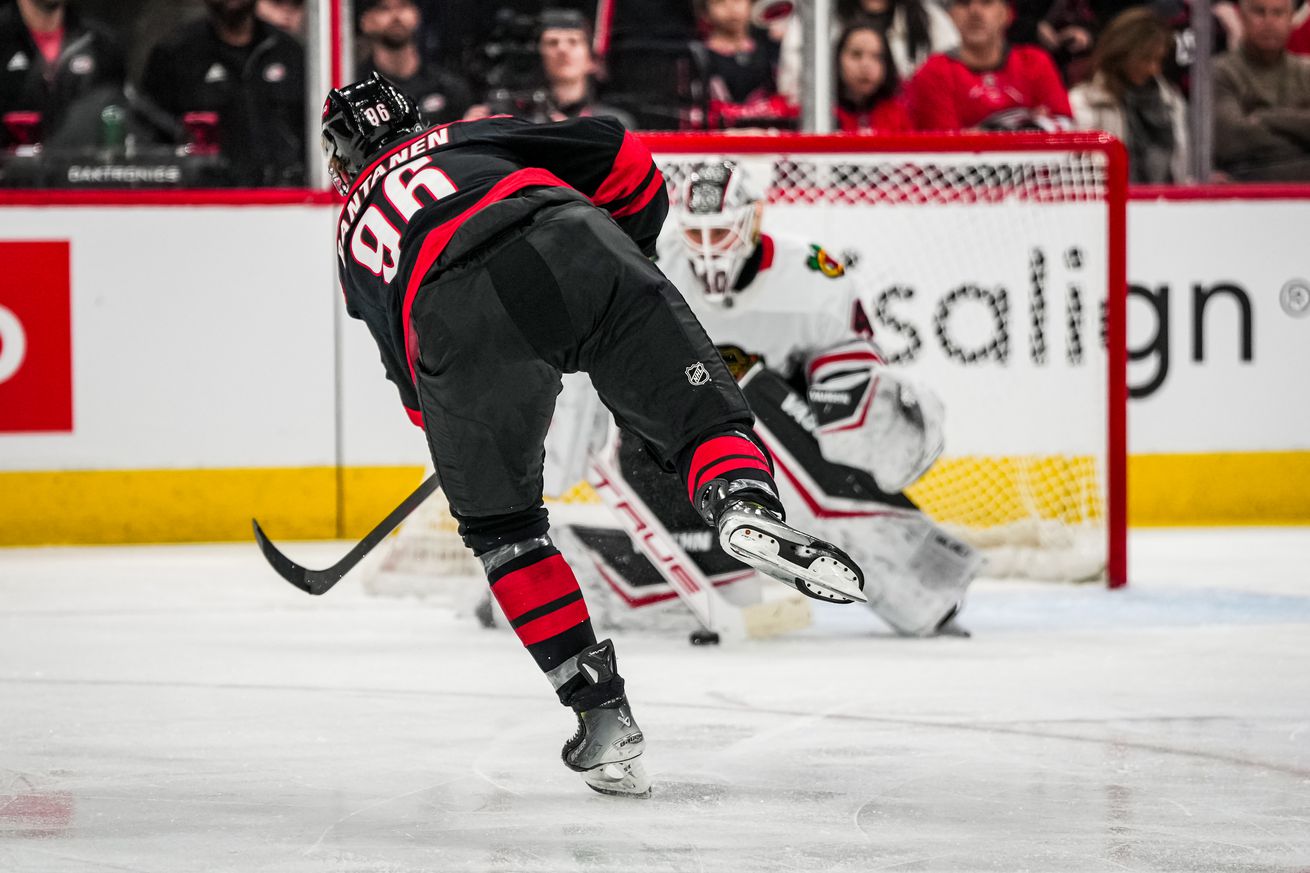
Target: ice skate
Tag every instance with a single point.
(606, 750)
(607, 746)
(758, 537)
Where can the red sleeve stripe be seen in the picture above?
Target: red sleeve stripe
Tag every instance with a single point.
(436, 240)
(554, 624)
(534, 586)
(636, 191)
(630, 169)
(414, 416)
(652, 188)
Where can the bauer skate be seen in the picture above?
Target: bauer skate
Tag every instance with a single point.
(758, 537)
(607, 746)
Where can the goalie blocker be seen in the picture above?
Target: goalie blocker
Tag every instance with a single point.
(870, 417)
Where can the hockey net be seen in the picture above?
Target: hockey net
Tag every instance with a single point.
(991, 268)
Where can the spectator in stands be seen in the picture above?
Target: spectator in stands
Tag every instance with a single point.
(987, 83)
(1067, 32)
(1262, 99)
(868, 89)
(1128, 97)
(391, 28)
(569, 67)
(50, 59)
(251, 76)
(742, 67)
(915, 30)
(287, 15)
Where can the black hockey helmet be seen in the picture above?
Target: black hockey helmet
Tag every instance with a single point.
(361, 119)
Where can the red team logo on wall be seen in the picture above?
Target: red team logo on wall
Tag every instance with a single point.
(36, 347)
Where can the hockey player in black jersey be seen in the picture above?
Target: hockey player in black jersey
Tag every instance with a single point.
(487, 258)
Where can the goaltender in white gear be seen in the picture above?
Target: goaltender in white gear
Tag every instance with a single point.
(794, 308)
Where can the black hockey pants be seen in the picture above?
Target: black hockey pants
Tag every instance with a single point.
(566, 291)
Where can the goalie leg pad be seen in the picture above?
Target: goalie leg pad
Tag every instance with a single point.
(917, 573)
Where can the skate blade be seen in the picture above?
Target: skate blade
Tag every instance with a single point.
(623, 779)
(762, 551)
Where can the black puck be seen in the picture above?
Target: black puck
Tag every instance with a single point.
(704, 637)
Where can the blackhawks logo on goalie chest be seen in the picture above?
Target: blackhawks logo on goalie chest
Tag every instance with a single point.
(825, 263)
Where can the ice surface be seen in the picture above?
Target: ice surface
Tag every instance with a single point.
(182, 709)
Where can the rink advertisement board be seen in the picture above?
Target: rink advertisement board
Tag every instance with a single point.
(212, 374)
(202, 376)
(36, 384)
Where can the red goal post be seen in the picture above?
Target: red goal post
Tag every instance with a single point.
(984, 260)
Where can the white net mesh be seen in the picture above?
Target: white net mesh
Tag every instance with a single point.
(426, 558)
(935, 179)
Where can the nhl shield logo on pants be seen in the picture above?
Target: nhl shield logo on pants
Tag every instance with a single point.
(697, 374)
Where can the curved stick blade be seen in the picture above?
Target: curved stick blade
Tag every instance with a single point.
(285, 567)
(319, 581)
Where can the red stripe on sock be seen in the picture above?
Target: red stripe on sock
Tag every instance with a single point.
(708, 473)
(556, 622)
(534, 585)
(713, 450)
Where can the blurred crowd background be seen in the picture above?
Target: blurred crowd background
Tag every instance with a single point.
(160, 93)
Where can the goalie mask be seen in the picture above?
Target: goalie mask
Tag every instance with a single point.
(360, 120)
(718, 220)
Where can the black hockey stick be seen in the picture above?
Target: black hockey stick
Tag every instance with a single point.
(319, 581)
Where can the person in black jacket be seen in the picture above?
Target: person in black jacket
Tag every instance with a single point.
(489, 257)
(251, 75)
(49, 60)
(392, 27)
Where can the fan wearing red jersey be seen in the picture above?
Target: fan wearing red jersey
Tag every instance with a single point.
(868, 86)
(987, 83)
(489, 257)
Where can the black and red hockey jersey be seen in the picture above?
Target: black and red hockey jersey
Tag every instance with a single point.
(435, 197)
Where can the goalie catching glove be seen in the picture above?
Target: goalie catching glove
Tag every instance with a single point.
(869, 417)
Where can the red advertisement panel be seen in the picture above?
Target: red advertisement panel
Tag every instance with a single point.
(36, 347)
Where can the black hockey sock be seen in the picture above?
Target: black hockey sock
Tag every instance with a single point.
(538, 593)
(589, 679)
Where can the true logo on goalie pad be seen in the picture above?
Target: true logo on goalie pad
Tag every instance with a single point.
(697, 374)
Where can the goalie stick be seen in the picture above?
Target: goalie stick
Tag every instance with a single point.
(319, 581)
(719, 618)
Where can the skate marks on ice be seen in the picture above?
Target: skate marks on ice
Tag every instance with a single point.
(342, 735)
(856, 792)
(390, 780)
